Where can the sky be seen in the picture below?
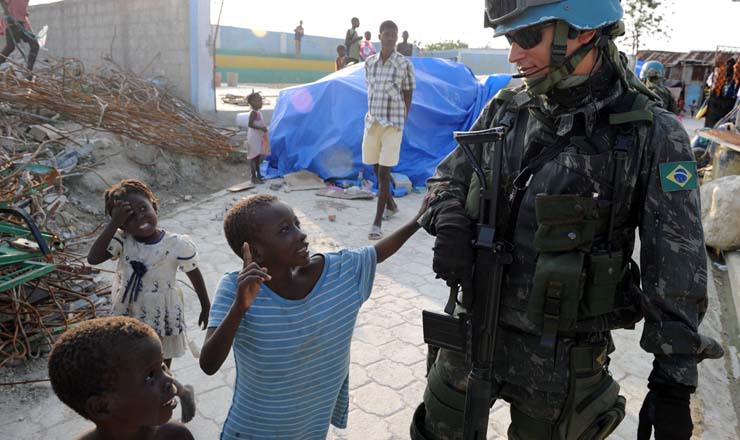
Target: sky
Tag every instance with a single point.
(694, 24)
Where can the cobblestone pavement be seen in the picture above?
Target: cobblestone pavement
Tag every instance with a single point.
(388, 354)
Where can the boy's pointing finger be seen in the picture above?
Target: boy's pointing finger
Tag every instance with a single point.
(246, 254)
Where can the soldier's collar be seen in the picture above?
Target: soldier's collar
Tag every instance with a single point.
(564, 117)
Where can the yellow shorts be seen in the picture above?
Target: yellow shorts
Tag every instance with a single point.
(381, 145)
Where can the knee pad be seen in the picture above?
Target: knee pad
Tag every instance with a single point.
(594, 411)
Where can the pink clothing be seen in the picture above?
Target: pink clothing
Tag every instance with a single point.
(366, 49)
(258, 144)
(17, 9)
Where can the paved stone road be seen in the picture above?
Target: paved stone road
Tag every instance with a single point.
(388, 354)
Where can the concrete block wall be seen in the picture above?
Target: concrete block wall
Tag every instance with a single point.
(149, 37)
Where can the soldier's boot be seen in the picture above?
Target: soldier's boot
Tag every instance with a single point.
(594, 411)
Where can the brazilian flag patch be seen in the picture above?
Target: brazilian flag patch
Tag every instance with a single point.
(677, 176)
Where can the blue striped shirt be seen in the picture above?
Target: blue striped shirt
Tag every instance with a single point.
(292, 356)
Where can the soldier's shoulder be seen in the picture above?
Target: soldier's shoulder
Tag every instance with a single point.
(507, 96)
(666, 123)
(667, 134)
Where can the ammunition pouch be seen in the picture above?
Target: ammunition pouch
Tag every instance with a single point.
(571, 283)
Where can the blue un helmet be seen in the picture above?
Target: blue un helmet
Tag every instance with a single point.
(652, 69)
(569, 17)
(506, 16)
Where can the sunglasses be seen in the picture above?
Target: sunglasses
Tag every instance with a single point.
(528, 37)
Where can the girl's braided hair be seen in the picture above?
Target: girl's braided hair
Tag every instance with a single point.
(123, 189)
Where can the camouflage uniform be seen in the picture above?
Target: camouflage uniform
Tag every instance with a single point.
(656, 86)
(537, 381)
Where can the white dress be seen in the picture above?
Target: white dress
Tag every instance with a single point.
(258, 143)
(145, 285)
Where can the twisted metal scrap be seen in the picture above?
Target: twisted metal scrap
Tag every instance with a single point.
(112, 99)
(26, 328)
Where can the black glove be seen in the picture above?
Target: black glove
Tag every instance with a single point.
(453, 251)
(666, 408)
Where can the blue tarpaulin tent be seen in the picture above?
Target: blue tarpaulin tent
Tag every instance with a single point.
(319, 126)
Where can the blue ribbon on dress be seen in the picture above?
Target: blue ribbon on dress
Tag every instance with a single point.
(134, 284)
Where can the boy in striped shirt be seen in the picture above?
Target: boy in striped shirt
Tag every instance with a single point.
(290, 317)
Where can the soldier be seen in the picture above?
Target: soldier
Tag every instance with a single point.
(594, 159)
(652, 75)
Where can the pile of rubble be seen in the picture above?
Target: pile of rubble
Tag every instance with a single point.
(44, 289)
(113, 99)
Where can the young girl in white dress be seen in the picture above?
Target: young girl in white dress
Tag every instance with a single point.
(258, 144)
(144, 286)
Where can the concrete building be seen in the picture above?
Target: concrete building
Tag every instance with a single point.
(481, 61)
(168, 39)
(268, 57)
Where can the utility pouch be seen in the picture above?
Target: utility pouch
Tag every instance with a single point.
(565, 233)
(605, 272)
(557, 290)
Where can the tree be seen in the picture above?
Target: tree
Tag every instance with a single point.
(644, 17)
(442, 45)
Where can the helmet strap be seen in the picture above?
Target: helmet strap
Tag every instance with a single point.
(561, 66)
(559, 43)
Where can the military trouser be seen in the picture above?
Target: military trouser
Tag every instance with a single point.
(569, 396)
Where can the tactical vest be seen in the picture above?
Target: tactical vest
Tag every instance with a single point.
(580, 284)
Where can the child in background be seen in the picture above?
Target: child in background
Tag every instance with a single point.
(289, 316)
(145, 285)
(110, 371)
(341, 59)
(258, 144)
(366, 47)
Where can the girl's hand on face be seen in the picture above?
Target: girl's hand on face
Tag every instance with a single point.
(249, 280)
(121, 212)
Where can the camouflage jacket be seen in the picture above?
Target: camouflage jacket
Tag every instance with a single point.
(665, 95)
(672, 243)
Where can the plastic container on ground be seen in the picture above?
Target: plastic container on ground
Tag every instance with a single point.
(242, 119)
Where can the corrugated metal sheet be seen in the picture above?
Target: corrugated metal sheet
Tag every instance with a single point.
(670, 59)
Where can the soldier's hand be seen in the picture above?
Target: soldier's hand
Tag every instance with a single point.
(453, 250)
(249, 280)
(453, 256)
(666, 410)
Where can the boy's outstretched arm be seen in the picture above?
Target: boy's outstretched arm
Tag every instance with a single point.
(219, 339)
(99, 250)
(390, 244)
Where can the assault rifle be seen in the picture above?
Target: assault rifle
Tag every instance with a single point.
(474, 332)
